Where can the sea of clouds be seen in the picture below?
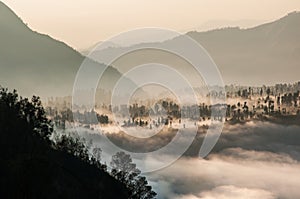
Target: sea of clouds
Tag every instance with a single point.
(252, 160)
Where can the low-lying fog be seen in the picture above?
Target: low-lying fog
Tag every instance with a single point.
(252, 160)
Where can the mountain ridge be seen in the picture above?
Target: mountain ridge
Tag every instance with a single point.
(256, 51)
(37, 64)
(265, 54)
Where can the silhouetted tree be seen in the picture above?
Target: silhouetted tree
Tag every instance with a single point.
(97, 152)
(73, 146)
(23, 121)
(125, 170)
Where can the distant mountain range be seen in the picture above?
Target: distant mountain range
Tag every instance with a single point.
(266, 54)
(91, 48)
(34, 63)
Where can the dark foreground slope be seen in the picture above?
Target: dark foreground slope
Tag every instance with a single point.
(31, 166)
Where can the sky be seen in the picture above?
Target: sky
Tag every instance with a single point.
(82, 23)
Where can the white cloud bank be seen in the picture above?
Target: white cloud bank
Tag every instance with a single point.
(250, 161)
(255, 160)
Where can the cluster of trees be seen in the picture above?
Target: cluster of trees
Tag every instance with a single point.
(135, 122)
(283, 93)
(138, 113)
(172, 109)
(60, 117)
(168, 107)
(289, 99)
(281, 100)
(246, 92)
(268, 102)
(36, 164)
(91, 117)
(263, 107)
(240, 111)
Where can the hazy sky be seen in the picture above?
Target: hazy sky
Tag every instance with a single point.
(81, 23)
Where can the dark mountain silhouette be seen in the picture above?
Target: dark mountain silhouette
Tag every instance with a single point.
(265, 54)
(35, 63)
